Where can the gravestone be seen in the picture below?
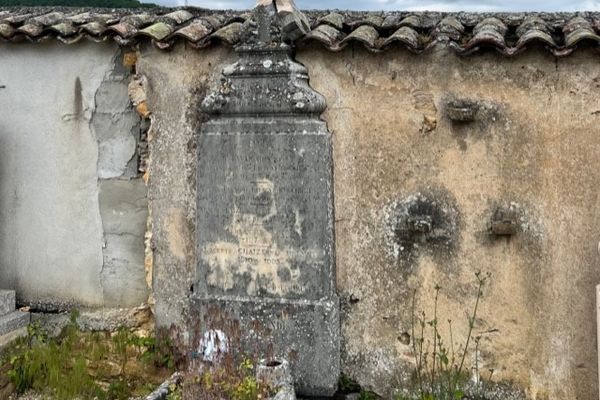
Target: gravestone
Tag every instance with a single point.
(265, 273)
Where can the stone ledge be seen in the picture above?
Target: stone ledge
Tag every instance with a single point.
(9, 338)
(13, 321)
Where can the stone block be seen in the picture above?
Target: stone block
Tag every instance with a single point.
(13, 321)
(7, 301)
(306, 333)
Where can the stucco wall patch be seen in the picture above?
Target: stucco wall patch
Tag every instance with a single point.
(55, 250)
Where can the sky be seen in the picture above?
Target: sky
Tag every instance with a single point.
(408, 5)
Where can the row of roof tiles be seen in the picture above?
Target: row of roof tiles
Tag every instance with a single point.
(465, 33)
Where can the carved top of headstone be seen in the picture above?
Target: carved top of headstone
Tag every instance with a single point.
(265, 80)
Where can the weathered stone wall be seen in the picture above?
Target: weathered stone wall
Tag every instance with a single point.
(534, 143)
(176, 83)
(72, 208)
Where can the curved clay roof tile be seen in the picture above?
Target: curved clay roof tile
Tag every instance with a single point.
(412, 20)
(577, 30)
(533, 23)
(194, 31)
(364, 34)
(179, 16)
(490, 25)
(229, 34)
(407, 36)
(448, 28)
(391, 21)
(32, 30)
(333, 19)
(64, 29)
(326, 35)
(535, 35)
(51, 18)
(157, 31)
(94, 28)
(488, 32)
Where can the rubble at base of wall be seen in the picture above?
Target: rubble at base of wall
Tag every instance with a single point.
(139, 319)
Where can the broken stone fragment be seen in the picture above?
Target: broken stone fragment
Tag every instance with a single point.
(137, 95)
(277, 375)
(292, 21)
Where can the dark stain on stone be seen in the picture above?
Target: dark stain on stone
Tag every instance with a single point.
(470, 118)
(423, 222)
(77, 98)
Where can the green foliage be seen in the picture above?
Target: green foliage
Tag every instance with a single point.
(347, 385)
(365, 395)
(77, 3)
(227, 382)
(440, 370)
(160, 350)
(79, 365)
(175, 393)
(40, 364)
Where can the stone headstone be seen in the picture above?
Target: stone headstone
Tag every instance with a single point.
(265, 274)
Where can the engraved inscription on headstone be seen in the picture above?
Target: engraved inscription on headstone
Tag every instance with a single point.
(264, 220)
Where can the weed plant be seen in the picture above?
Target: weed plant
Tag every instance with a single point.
(441, 371)
(226, 380)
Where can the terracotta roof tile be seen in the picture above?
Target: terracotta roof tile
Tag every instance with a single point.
(364, 34)
(94, 28)
(464, 33)
(230, 33)
(64, 29)
(332, 19)
(407, 36)
(194, 31)
(158, 31)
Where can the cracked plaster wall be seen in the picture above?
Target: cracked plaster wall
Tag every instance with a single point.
(72, 208)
